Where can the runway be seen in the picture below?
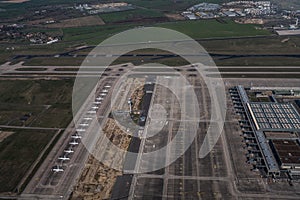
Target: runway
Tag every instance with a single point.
(18, 71)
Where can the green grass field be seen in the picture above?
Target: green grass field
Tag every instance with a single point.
(262, 76)
(195, 29)
(92, 35)
(17, 154)
(259, 61)
(269, 45)
(214, 29)
(62, 61)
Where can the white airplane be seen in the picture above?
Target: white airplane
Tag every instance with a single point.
(64, 158)
(76, 136)
(97, 102)
(91, 112)
(88, 118)
(69, 150)
(95, 107)
(80, 130)
(99, 98)
(84, 124)
(73, 143)
(57, 169)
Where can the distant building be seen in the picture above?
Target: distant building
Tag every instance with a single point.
(241, 13)
(189, 15)
(230, 14)
(205, 7)
(52, 41)
(204, 15)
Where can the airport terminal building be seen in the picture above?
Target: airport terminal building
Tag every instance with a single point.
(271, 131)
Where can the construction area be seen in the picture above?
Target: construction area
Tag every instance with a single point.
(97, 179)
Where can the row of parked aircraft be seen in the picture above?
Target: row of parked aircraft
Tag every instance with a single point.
(67, 152)
(81, 129)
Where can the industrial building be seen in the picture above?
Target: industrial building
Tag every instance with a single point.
(271, 132)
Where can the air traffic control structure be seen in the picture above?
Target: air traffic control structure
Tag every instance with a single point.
(271, 131)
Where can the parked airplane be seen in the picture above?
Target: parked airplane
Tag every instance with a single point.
(88, 118)
(57, 169)
(69, 150)
(73, 143)
(76, 137)
(64, 158)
